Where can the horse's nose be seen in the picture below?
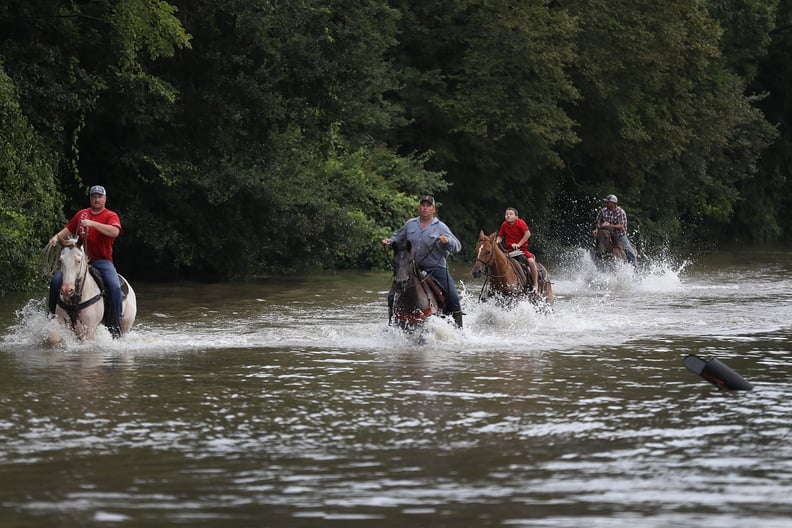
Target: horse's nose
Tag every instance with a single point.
(67, 290)
(476, 273)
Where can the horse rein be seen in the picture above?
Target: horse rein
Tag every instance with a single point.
(423, 277)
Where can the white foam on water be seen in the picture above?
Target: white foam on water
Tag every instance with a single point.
(591, 309)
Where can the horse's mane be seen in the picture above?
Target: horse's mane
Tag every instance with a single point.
(497, 250)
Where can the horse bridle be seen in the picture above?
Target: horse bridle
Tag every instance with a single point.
(478, 252)
(487, 263)
(74, 306)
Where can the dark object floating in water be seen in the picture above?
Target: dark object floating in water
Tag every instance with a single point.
(714, 371)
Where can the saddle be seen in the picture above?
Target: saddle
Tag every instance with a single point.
(97, 276)
(523, 271)
(438, 292)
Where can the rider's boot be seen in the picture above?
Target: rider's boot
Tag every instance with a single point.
(457, 318)
(114, 326)
(115, 331)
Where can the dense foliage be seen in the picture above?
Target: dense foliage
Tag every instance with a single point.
(247, 136)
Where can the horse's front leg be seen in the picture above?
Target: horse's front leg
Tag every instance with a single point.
(81, 332)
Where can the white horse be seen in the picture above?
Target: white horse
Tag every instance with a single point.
(81, 304)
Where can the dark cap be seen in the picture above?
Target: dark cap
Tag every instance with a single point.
(427, 198)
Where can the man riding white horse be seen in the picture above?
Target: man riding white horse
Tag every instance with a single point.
(97, 228)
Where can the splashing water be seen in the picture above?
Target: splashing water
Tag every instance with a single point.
(591, 309)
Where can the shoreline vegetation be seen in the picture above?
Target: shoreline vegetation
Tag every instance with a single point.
(266, 138)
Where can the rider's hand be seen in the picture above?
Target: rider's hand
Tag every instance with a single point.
(386, 242)
(443, 239)
(53, 241)
(605, 224)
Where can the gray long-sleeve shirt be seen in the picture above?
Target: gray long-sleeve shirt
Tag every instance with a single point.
(428, 250)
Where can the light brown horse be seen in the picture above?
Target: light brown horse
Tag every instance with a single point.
(608, 250)
(505, 275)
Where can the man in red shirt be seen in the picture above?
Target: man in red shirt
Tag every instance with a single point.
(98, 228)
(516, 232)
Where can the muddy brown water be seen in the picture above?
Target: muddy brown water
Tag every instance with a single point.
(293, 405)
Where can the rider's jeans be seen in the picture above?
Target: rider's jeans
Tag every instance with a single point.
(628, 250)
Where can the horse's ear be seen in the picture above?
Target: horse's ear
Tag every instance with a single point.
(493, 235)
(481, 234)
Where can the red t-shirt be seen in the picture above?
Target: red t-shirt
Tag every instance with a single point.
(513, 233)
(95, 244)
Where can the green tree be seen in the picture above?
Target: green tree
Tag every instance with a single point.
(486, 88)
(761, 213)
(280, 105)
(663, 121)
(63, 62)
(747, 26)
(28, 193)
(68, 59)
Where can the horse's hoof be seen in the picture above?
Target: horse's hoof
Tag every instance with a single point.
(54, 338)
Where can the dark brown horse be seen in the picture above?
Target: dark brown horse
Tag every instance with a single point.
(416, 297)
(608, 249)
(505, 275)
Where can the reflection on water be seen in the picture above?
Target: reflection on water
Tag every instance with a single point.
(266, 404)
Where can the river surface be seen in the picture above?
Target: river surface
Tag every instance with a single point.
(290, 403)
